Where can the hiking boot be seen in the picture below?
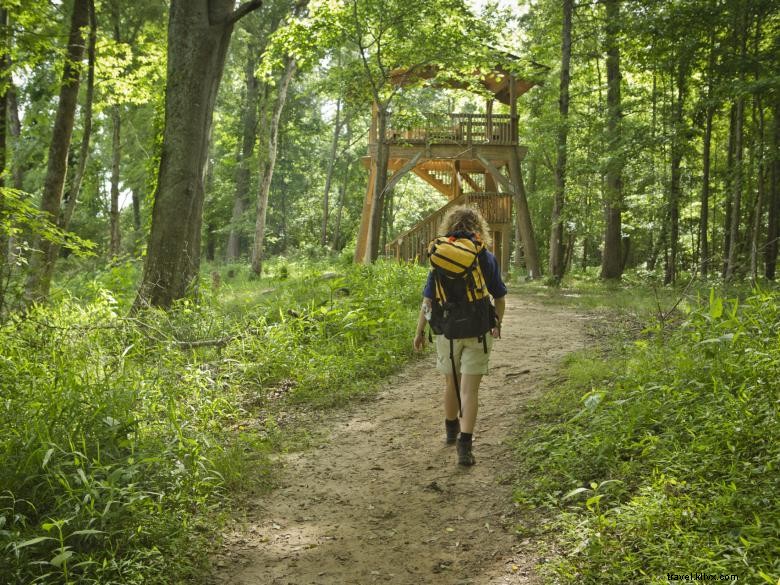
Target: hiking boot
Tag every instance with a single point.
(465, 456)
(453, 430)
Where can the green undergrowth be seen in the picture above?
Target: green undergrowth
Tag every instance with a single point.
(125, 438)
(665, 458)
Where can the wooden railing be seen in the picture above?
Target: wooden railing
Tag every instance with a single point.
(412, 244)
(464, 129)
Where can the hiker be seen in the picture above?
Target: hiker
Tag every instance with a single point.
(465, 282)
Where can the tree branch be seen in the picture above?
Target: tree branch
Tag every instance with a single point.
(243, 10)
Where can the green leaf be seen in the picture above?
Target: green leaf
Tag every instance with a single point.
(61, 558)
(32, 541)
(575, 492)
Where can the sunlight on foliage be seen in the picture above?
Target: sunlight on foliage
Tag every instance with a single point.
(666, 460)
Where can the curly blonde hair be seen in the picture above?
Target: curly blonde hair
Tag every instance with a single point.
(464, 218)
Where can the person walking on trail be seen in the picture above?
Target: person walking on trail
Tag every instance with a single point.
(463, 301)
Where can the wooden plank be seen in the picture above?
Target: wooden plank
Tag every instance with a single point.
(496, 174)
(397, 175)
(365, 218)
(440, 186)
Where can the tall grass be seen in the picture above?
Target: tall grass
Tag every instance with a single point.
(123, 441)
(665, 460)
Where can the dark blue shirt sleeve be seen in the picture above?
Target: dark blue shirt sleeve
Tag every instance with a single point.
(428, 290)
(492, 273)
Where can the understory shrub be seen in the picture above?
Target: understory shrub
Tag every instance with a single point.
(668, 461)
(124, 436)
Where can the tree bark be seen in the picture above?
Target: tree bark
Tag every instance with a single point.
(704, 215)
(758, 210)
(557, 264)
(5, 78)
(737, 172)
(677, 149)
(612, 259)
(39, 275)
(380, 181)
(268, 167)
(199, 33)
(329, 176)
(249, 137)
(524, 227)
(773, 221)
(116, 157)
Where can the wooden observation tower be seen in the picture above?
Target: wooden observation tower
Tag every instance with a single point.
(473, 159)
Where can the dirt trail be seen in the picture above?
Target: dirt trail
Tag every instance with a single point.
(383, 500)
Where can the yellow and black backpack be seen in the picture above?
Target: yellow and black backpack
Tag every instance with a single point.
(461, 307)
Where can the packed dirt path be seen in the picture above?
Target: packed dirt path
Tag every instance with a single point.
(383, 500)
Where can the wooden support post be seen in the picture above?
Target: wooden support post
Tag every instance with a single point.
(523, 217)
(365, 219)
(513, 109)
(506, 246)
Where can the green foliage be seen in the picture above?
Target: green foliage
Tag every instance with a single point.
(667, 458)
(124, 437)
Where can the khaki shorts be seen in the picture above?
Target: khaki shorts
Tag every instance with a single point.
(469, 354)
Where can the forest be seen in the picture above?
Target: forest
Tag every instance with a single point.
(213, 223)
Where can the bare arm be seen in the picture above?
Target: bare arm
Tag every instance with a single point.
(500, 307)
(419, 336)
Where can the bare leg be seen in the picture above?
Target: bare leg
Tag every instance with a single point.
(450, 398)
(469, 395)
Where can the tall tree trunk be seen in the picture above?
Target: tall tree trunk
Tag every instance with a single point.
(524, 227)
(677, 148)
(116, 157)
(329, 176)
(773, 222)
(556, 234)
(729, 192)
(737, 172)
(5, 79)
(704, 215)
(758, 211)
(39, 276)
(136, 215)
(249, 137)
(268, 167)
(342, 193)
(612, 260)
(380, 181)
(199, 33)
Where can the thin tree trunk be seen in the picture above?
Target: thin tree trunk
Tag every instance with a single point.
(199, 33)
(329, 176)
(557, 264)
(5, 78)
(342, 194)
(39, 275)
(704, 215)
(737, 172)
(116, 157)
(136, 214)
(758, 211)
(773, 221)
(249, 137)
(612, 260)
(729, 192)
(677, 147)
(268, 167)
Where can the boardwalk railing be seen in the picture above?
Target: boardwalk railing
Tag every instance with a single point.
(464, 129)
(411, 245)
